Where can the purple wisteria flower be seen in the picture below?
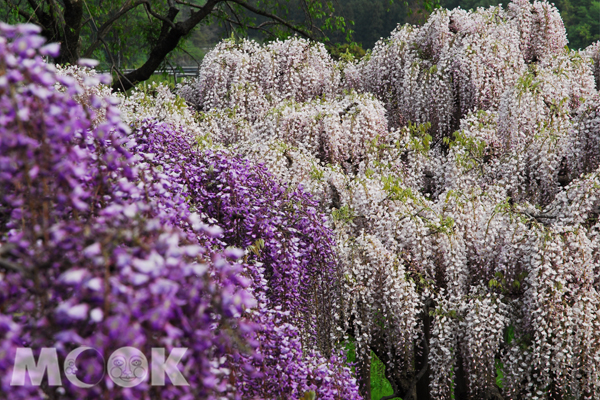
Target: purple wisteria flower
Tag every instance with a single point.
(288, 260)
(112, 238)
(88, 254)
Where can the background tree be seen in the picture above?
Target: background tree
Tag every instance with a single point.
(93, 28)
(373, 20)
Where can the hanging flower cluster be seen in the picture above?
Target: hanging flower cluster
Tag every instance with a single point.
(467, 226)
(90, 255)
(289, 260)
(250, 78)
(94, 86)
(457, 62)
(593, 52)
(103, 246)
(338, 131)
(436, 203)
(157, 102)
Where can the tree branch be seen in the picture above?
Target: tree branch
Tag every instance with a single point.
(188, 4)
(22, 13)
(158, 16)
(266, 23)
(165, 45)
(115, 68)
(274, 17)
(257, 28)
(39, 13)
(171, 14)
(5, 248)
(304, 5)
(13, 266)
(172, 33)
(105, 27)
(72, 16)
(234, 14)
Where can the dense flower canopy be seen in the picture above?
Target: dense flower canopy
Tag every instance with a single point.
(435, 204)
(107, 243)
(92, 256)
(467, 219)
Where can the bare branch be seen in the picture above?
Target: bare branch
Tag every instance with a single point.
(256, 28)
(5, 248)
(158, 16)
(266, 23)
(21, 12)
(274, 17)
(37, 9)
(188, 4)
(234, 14)
(191, 56)
(114, 67)
(304, 5)
(105, 27)
(166, 44)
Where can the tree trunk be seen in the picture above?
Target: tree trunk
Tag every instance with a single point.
(168, 40)
(68, 35)
(71, 41)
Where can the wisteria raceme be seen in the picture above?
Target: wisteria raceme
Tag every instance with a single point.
(457, 62)
(484, 46)
(458, 167)
(376, 75)
(372, 269)
(88, 258)
(294, 165)
(541, 29)
(160, 144)
(240, 82)
(403, 72)
(488, 163)
(281, 228)
(94, 87)
(338, 131)
(585, 138)
(562, 300)
(483, 313)
(531, 153)
(98, 224)
(154, 101)
(252, 78)
(157, 102)
(289, 261)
